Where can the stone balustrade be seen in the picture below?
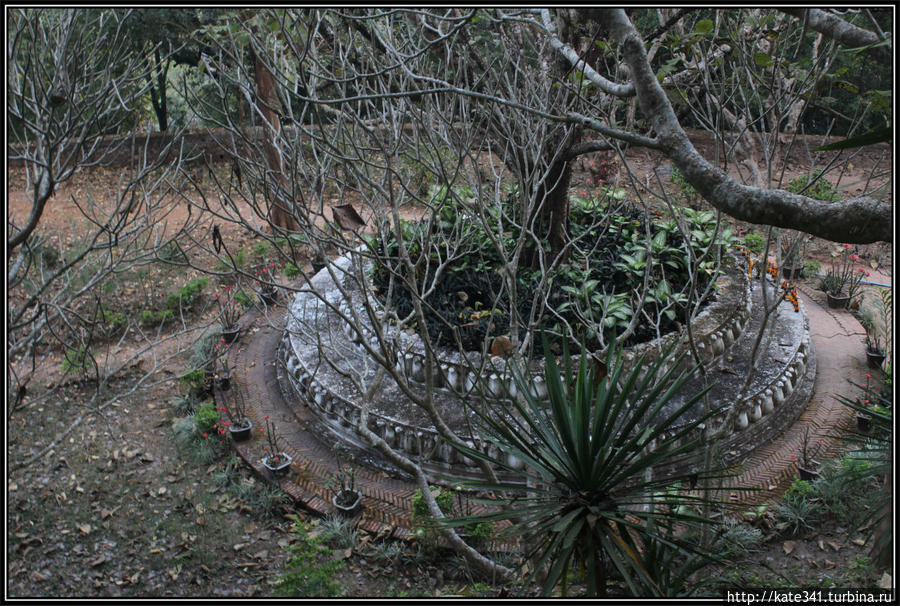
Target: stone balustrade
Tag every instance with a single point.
(715, 331)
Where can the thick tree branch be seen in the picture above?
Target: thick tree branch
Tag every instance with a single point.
(860, 220)
(835, 28)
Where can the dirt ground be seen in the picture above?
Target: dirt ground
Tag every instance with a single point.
(116, 510)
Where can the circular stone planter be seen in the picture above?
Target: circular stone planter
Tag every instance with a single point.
(838, 301)
(319, 346)
(241, 430)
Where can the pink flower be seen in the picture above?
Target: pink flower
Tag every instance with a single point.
(205, 435)
(868, 376)
(846, 246)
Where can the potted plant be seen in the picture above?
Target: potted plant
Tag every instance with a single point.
(843, 279)
(807, 466)
(874, 347)
(222, 373)
(864, 404)
(792, 247)
(237, 422)
(347, 499)
(879, 331)
(229, 313)
(265, 284)
(276, 460)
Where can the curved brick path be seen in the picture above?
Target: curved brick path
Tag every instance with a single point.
(837, 337)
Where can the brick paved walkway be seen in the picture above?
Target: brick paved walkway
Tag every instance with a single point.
(837, 337)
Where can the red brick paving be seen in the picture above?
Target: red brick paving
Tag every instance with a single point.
(840, 356)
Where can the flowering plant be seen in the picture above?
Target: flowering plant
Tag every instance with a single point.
(229, 308)
(843, 277)
(221, 369)
(792, 248)
(275, 454)
(805, 454)
(265, 278)
(236, 411)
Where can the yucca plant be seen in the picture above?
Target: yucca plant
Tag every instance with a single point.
(588, 501)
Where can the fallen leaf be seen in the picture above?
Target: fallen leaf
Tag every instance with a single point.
(885, 582)
(859, 542)
(834, 545)
(830, 564)
(238, 546)
(821, 544)
(84, 528)
(789, 547)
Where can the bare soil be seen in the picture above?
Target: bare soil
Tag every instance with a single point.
(116, 510)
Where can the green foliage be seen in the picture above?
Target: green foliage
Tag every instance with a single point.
(811, 269)
(261, 250)
(686, 191)
(755, 243)
(815, 186)
(291, 270)
(799, 509)
(338, 533)
(80, 359)
(187, 295)
(244, 298)
(593, 441)
(206, 418)
(312, 568)
(193, 381)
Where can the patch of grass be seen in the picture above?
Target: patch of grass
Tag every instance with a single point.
(261, 250)
(187, 295)
(799, 509)
(244, 298)
(338, 533)
(755, 243)
(814, 186)
(737, 539)
(811, 269)
(79, 360)
(291, 270)
(312, 568)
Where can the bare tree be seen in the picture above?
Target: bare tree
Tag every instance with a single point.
(72, 80)
(450, 134)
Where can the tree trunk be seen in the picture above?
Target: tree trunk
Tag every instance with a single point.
(550, 212)
(279, 195)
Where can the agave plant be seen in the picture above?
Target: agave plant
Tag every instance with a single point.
(588, 500)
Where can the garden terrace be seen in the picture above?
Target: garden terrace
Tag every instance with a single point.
(320, 350)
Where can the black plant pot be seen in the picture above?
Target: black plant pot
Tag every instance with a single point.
(863, 422)
(241, 430)
(838, 301)
(807, 474)
(268, 296)
(875, 358)
(231, 333)
(791, 272)
(223, 381)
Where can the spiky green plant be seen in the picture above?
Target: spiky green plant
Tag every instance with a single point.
(588, 500)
